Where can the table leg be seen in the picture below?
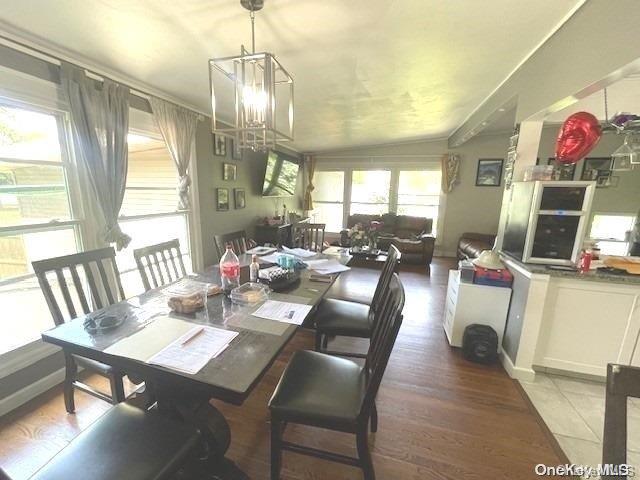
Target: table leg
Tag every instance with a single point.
(196, 410)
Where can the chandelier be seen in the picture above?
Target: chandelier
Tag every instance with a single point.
(263, 92)
(627, 156)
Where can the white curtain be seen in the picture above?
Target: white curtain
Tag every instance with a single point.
(178, 128)
(450, 171)
(100, 124)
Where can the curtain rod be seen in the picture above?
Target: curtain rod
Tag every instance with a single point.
(56, 60)
(434, 155)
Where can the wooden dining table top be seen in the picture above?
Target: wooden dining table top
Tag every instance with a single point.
(232, 375)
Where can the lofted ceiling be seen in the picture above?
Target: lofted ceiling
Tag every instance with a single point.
(366, 71)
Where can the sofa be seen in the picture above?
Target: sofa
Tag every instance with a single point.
(411, 235)
(471, 244)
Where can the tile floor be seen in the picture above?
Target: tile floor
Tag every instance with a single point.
(573, 409)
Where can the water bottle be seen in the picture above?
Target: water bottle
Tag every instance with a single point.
(229, 270)
(254, 268)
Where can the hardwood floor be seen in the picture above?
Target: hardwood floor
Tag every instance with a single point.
(441, 417)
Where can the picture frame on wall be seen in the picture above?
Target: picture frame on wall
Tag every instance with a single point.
(562, 171)
(229, 171)
(222, 199)
(220, 145)
(236, 153)
(595, 167)
(239, 198)
(489, 172)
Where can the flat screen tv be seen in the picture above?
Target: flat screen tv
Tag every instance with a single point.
(280, 177)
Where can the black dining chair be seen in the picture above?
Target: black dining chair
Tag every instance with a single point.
(105, 288)
(160, 264)
(623, 381)
(333, 393)
(309, 236)
(126, 443)
(336, 317)
(238, 240)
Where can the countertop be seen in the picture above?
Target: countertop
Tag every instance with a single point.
(592, 276)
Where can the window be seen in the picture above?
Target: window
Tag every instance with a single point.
(37, 218)
(328, 199)
(419, 194)
(370, 191)
(611, 232)
(149, 210)
(400, 190)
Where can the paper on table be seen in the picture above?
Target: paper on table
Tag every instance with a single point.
(299, 252)
(336, 251)
(271, 258)
(193, 350)
(261, 250)
(327, 267)
(294, 313)
(145, 343)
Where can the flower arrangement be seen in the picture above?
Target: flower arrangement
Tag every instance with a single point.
(362, 234)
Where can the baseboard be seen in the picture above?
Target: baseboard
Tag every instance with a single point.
(30, 392)
(524, 374)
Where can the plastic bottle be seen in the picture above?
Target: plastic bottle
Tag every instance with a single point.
(229, 270)
(254, 268)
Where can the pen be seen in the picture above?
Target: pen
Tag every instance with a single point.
(194, 335)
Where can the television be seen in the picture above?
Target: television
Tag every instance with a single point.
(280, 177)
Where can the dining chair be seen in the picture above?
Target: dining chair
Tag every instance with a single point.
(623, 381)
(238, 241)
(162, 263)
(336, 317)
(126, 443)
(309, 236)
(333, 393)
(105, 288)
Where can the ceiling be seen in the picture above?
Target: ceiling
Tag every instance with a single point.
(366, 71)
(622, 96)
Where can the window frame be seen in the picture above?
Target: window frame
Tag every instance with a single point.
(611, 214)
(29, 353)
(395, 167)
(344, 190)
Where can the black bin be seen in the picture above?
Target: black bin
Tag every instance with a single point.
(480, 343)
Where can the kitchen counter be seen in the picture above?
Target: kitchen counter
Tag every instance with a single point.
(570, 322)
(592, 276)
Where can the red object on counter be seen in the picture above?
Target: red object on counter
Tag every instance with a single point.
(493, 278)
(585, 262)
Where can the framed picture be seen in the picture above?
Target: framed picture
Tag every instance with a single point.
(222, 199)
(236, 153)
(220, 145)
(607, 180)
(239, 198)
(595, 167)
(562, 171)
(489, 172)
(229, 171)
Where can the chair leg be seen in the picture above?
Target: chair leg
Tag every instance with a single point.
(71, 371)
(363, 452)
(117, 388)
(325, 342)
(276, 448)
(374, 418)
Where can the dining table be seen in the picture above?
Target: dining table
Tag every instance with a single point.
(230, 377)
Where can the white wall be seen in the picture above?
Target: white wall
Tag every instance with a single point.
(468, 208)
(625, 198)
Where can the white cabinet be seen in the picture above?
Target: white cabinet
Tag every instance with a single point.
(588, 324)
(468, 303)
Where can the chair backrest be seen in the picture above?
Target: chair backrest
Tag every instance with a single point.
(151, 260)
(390, 267)
(388, 319)
(623, 381)
(309, 236)
(238, 241)
(100, 286)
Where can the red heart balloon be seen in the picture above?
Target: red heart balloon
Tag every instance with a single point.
(577, 137)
